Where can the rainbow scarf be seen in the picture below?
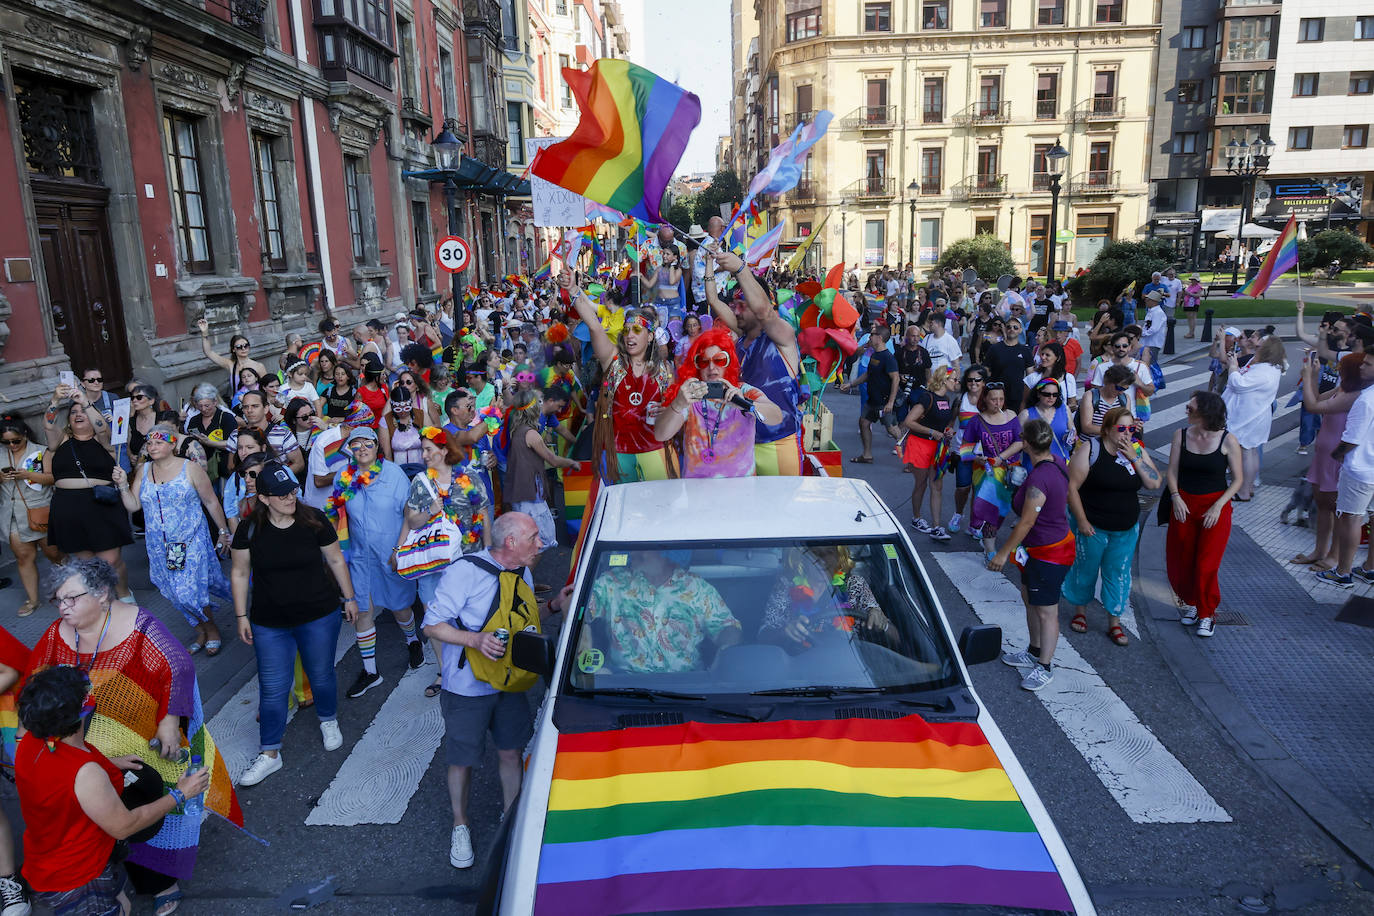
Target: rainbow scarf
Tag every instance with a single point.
(851, 813)
(632, 134)
(351, 480)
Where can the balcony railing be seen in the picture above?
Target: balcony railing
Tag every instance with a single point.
(977, 187)
(932, 115)
(1102, 108)
(1096, 181)
(871, 117)
(981, 114)
(873, 188)
(790, 121)
(1046, 109)
(1040, 181)
(249, 15)
(930, 187)
(803, 193)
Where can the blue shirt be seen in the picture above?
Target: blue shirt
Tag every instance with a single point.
(465, 593)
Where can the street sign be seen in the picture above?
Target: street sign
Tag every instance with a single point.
(452, 254)
(1064, 236)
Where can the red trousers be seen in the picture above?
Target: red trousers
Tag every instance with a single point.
(1193, 553)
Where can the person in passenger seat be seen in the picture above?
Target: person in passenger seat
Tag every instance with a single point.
(820, 591)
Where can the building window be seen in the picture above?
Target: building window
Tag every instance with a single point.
(992, 14)
(188, 192)
(566, 99)
(803, 97)
(353, 195)
(1049, 12)
(1244, 93)
(424, 252)
(1356, 136)
(989, 96)
(1185, 144)
(1189, 92)
(405, 62)
(515, 132)
(875, 242)
(875, 171)
(1305, 84)
(876, 91)
(932, 170)
(988, 176)
(1095, 230)
(803, 25)
(269, 206)
(446, 84)
(560, 7)
(1299, 138)
(929, 241)
(933, 100)
(934, 14)
(1194, 37)
(878, 17)
(1039, 229)
(1311, 29)
(1040, 166)
(1108, 11)
(1046, 96)
(1361, 83)
(1099, 158)
(985, 225)
(1247, 38)
(1364, 28)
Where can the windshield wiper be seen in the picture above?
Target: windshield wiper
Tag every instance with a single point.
(815, 691)
(646, 693)
(946, 706)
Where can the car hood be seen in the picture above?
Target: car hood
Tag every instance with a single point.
(789, 814)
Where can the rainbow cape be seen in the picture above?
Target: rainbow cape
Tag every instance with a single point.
(632, 134)
(1281, 258)
(851, 813)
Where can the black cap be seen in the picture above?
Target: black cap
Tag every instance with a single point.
(275, 480)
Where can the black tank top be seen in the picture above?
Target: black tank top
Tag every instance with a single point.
(1201, 474)
(1108, 493)
(99, 464)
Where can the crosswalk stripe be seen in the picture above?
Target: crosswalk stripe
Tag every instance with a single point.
(384, 769)
(1148, 782)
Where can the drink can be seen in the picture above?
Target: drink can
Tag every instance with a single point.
(502, 634)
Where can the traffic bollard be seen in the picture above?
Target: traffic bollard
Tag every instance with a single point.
(1169, 337)
(1207, 324)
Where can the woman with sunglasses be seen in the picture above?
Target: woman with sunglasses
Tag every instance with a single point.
(25, 484)
(237, 360)
(372, 391)
(991, 439)
(717, 425)
(1106, 474)
(634, 379)
(1045, 401)
(1052, 364)
(417, 392)
(143, 682)
(970, 390)
(303, 422)
(181, 558)
(929, 426)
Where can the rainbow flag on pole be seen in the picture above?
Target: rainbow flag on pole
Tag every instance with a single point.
(1280, 259)
(849, 813)
(632, 134)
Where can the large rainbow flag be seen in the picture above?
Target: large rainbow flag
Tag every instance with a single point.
(856, 812)
(1280, 259)
(627, 145)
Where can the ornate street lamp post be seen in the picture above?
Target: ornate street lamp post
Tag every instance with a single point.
(1055, 158)
(1249, 161)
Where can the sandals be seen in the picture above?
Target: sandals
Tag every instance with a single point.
(212, 647)
(162, 900)
(27, 608)
(860, 459)
(433, 690)
(194, 647)
(1118, 635)
(1079, 624)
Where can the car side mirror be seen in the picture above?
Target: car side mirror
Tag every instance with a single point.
(535, 652)
(977, 644)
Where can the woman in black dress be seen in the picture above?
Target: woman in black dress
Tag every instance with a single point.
(85, 520)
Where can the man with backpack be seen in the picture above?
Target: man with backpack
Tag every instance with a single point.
(479, 596)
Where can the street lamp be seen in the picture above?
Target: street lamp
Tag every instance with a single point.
(914, 189)
(1055, 158)
(1248, 161)
(844, 228)
(448, 152)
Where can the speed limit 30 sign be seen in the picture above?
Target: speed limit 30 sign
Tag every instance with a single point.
(452, 254)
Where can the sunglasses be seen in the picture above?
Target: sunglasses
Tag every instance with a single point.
(1049, 393)
(1123, 428)
(241, 346)
(251, 475)
(996, 386)
(12, 441)
(304, 416)
(140, 397)
(93, 381)
(720, 359)
(1122, 346)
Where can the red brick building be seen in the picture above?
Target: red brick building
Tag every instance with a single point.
(247, 160)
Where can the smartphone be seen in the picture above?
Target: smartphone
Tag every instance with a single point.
(67, 377)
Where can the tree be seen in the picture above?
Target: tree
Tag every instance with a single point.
(1333, 244)
(680, 212)
(1116, 265)
(724, 189)
(984, 252)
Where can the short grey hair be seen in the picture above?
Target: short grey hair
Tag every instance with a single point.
(204, 391)
(507, 525)
(97, 576)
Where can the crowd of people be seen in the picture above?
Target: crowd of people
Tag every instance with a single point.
(411, 467)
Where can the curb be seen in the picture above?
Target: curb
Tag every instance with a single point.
(1184, 655)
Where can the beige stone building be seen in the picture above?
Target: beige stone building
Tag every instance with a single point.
(944, 110)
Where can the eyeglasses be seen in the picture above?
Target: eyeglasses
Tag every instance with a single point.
(94, 381)
(1122, 346)
(67, 600)
(1123, 428)
(720, 359)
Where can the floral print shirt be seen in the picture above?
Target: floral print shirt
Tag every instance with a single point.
(657, 628)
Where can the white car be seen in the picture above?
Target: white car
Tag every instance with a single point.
(756, 704)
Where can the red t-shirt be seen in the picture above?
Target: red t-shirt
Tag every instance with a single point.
(635, 410)
(1073, 352)
(376, 401)
(63, 847)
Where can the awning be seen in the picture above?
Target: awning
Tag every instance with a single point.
(1252, 231)
(1217, 220)
(475, 175)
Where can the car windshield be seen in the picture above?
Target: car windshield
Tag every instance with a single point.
(740, 619)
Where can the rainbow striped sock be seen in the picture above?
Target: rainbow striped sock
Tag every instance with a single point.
(367, 648)
(409, 628)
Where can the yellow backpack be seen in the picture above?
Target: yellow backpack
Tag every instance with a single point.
(513, 609)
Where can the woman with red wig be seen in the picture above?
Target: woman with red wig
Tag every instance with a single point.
(714, 410)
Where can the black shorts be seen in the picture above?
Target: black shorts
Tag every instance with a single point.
(468, 719)
(1043, 581)
(874, 413)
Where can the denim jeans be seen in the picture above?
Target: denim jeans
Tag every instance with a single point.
(276, 649)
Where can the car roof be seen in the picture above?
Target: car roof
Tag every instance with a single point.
(742, 508)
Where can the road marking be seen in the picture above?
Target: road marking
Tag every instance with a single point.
(1147, 781)
(384, 769)
(235, 726)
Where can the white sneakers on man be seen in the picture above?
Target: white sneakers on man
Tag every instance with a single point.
(333, 739)
(261, 768)
(460, 848)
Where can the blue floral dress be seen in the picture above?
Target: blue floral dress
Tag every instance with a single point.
(172, 515)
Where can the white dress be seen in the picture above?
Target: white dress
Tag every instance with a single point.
(1249, 398)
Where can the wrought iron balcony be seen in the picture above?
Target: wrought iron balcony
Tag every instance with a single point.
(873, 189)
(1040, 181)
(871, 117)
(1046, 109)
(984, 114)
(1102, 108)
(981, 187)
(1096, 181)
(791, 120)
(933, 115)
(803, 193)
(249, 15)
(930, 187)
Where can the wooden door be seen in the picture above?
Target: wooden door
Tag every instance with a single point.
(83, 289)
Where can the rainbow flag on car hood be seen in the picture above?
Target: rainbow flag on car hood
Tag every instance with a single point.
(856, 812)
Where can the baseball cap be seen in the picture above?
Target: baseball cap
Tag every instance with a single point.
(362, 432)
(1233, 331)
(275, 480)
(1062, 326)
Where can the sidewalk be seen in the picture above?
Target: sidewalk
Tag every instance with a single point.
(1287, 674)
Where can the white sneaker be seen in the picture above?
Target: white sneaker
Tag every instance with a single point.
(938, 534)
(1205, 625)
(1022, 659)
(261, 768)
(1189, 616)
(921, 525)
(1036, 678)
(460, 848)
(12, 898)
(333, 738)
